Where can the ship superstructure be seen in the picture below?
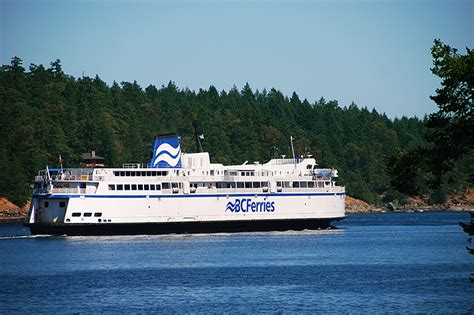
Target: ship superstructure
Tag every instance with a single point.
(185, 193)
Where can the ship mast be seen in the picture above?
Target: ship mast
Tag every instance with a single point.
(293, 150)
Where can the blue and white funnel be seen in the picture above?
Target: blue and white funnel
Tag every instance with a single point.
(166, 153)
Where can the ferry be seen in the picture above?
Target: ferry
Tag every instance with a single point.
(185, 193)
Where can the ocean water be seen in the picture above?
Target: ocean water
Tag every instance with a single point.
(373, 263)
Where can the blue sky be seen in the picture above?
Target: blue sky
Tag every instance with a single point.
(375, 53)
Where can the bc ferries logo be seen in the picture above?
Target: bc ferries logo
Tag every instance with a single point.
(166, 153)
(247, 205)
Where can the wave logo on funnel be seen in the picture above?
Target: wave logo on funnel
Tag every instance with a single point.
(166, 153)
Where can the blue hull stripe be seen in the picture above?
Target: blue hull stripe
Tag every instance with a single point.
(59, 196)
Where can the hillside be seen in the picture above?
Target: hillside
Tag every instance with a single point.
(47, 113)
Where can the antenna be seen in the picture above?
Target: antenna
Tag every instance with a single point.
(293, 149)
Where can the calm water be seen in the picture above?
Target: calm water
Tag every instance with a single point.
(375, 263)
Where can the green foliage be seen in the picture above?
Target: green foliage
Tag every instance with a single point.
(446, 159)
(45, 112)
(438, 197)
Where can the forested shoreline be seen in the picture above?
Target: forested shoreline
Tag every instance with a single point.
(46, 113)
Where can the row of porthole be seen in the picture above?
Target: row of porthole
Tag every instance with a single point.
(87, 214)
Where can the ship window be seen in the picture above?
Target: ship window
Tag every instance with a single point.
(127, 173)
(212, 173)
(76, 214)
(134, 187)
(256, 185)
(278, 184)
(62, 204)
(148, 173)
(98, 214)
(116, 173)
(320, 184)
(248, 185)
(240, 185)
(82, 185)
(308, 167)
(296, 184)
(327, 183)
(153, 173)
(46, 204)
(119, 187)
(112, 187)
(87, 214)
(264, 184)
(158, 187)
(122, 173)
(174, 185)
(310, 184)
(140, 187)
(146, 187)
(152, 187)
(127, 187)
(143, 173)
(132, 174)
(303, 184)
(166, 185)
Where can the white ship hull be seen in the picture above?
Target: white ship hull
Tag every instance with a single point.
(160, 214)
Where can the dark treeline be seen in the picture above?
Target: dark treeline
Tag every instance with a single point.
(45, 113)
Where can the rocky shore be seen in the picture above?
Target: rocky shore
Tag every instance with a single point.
(9, 212)
(463, 202)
